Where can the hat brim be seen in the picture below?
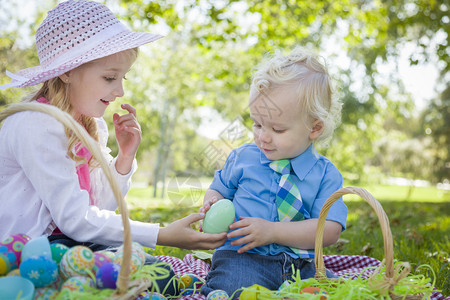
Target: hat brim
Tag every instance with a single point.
(120, 42)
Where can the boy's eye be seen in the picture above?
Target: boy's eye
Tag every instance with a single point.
(257, 125)
(278, 130)
(109, 78)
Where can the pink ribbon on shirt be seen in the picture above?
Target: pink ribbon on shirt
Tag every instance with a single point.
(83, 169)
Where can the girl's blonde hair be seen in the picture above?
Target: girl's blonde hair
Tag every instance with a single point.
(57, 93)
(305, 71)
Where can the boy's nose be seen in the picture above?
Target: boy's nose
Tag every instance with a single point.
(264, 136)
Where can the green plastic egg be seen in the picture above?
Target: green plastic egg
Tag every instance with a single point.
(219, 217)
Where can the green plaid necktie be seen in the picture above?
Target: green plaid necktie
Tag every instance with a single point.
(288, 199)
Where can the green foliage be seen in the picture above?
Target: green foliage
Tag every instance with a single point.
(436, 119)
(210, 48)
(371, 32)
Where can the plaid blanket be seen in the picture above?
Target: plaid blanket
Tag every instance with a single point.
(344, 266)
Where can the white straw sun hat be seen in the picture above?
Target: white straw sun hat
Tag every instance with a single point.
(74, 33)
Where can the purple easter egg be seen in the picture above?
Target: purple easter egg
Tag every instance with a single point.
(107, 276)
(99, 260)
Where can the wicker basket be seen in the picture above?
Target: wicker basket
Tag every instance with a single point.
(125, 288)
(391, 276)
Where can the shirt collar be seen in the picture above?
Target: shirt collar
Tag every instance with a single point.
(301, 164)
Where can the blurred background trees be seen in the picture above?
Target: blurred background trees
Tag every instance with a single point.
(191, 87)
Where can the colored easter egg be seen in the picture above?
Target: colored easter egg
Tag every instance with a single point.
(150, 296)
(40, 270)
(253, 292)
(56, 284)
(285, 284)
(39, 246)
(15, 287)
(77, 284)
(137, 257)
(315, 291)
(190, 284)
(218, 295)
(14, 244)
(45, 293)
(135, 248)
(219, 217)
(99, 260)
(58, 251)
(7, 260)
(108, 253)
(15, 272)
(106, 276)
(191, 281)
(76, 261)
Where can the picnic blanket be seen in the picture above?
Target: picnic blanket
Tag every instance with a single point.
(345, 266)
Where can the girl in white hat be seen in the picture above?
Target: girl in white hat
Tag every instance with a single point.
(49, 183)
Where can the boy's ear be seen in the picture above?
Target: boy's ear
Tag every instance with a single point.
(316, 131)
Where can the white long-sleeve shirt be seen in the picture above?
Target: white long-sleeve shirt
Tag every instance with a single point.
(39, 187)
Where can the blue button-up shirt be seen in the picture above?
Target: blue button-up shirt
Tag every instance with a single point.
(252, 185)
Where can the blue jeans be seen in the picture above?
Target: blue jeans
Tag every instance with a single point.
(169, 283)
(231, 271)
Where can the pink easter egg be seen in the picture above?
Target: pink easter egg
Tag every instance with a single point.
(14, 244)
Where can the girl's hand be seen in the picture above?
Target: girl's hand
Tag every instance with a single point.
(128, 136)
(255, 231)
(180, 234)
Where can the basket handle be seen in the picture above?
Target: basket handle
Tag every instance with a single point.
(382, 218)
(91, 144)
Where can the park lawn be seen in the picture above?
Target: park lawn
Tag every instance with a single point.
(419, 225)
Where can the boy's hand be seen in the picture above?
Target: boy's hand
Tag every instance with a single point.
(255, 231)
(206, 206)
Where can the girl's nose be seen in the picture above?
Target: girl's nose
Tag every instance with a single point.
(118, 91)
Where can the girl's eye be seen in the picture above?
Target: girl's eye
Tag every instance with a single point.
(278, 130)
(257, 125)
(110, 78)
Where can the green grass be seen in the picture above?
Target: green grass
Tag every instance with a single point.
(419, 225)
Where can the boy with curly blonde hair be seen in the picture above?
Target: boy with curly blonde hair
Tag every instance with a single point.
(279, 183)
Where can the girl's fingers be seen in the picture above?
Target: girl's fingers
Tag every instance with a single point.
(125, 118)
(128, 124)
(133, 130)
(129, 108)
